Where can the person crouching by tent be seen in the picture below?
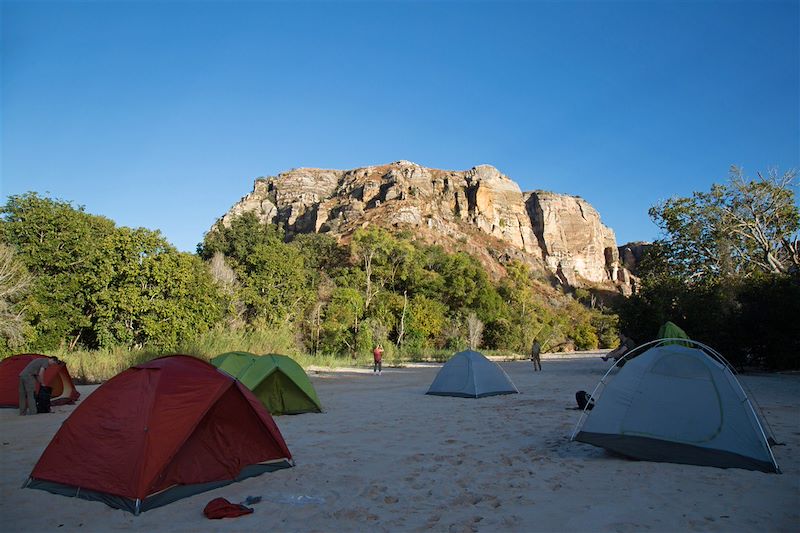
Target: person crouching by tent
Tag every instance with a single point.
(626, 344)
(32, 374)
(377, 357)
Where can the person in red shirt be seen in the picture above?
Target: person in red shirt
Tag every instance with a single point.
(377, 356)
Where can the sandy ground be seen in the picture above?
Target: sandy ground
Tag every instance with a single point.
(386, 457)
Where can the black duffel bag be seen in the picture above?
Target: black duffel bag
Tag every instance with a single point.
(43, 399)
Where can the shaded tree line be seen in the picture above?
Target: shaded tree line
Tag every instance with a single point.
(727, 270)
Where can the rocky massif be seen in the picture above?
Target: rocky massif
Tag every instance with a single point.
(480, 211)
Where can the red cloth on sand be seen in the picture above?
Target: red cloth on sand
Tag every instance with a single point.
(222, 508)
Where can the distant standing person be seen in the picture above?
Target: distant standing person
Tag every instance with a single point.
(32, 374)
(536, 350)
(377, 356)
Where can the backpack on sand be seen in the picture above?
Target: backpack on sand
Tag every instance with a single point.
(584, 400)
(43, 399)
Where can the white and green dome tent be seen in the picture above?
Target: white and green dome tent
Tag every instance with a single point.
(678, 404)
(470, 374)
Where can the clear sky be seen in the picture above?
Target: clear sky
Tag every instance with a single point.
(161, 114)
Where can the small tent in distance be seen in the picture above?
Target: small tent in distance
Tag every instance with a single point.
(55, 376)
(677, 404)
(158, 432)
(277, 381)
(470, 374)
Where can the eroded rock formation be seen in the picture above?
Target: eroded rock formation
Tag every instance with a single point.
(480, 211)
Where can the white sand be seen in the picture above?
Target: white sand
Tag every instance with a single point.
(386, 457)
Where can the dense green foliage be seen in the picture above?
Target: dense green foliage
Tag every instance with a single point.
(98, 286)
(390, 289)
(95, 285)
(726, 271)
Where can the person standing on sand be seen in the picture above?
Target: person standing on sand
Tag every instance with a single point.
(536, 350)
(32, 374)
(377, 357)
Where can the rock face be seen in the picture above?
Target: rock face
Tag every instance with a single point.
(480, 211)
(574, 243)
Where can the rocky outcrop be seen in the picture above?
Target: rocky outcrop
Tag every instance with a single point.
(574, 243)
(480, 210)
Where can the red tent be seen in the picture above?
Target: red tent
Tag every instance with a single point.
(158, 432)
(55, 376)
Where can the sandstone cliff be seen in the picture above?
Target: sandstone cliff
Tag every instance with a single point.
(480, 211)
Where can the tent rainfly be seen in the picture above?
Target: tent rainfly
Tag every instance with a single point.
(470, 374)
(277, 380)
(670, 330)
(678, 404)
(158, 432)
(55, 376)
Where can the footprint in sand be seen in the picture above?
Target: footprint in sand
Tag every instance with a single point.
(468, 525)
(457, 460)
(466, 499)
(493, 501)
(375, 491)
(359, 513)
(432, 521)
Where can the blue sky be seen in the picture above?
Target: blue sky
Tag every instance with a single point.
(161, 114)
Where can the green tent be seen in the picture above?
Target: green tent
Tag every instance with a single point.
(277, 380)
(669, 330)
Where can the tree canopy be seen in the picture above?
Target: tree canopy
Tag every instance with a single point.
(90, 284)
(94, 284)
(726, 269)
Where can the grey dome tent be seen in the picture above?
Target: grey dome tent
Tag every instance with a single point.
(469, 374)
(678, 404)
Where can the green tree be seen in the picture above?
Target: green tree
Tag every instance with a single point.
(715, 270)
(372, 248)
(61, 246)
(273, 280)
(274, 284)
(98, 285)
(427, 319)
(342, 317)
(14, 283)
(321, 253)
(153, 295)
(739, 228)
